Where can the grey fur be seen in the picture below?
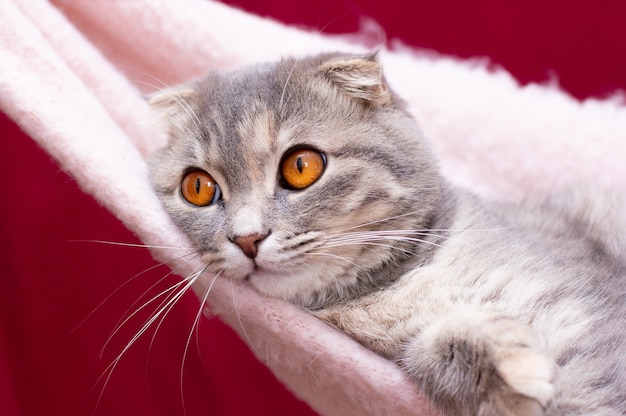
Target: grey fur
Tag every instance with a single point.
(492, 309)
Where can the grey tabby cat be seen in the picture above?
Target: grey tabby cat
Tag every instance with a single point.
(309, 179)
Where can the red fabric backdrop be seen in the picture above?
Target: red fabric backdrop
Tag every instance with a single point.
(52, 281)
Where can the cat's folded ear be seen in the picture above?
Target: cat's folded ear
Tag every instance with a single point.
(172, 107)
(360, 78)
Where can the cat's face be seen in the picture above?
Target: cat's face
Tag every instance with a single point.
(291, 175)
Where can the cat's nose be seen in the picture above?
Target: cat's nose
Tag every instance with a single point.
(249, 243)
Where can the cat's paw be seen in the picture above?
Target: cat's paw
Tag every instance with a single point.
(525, 374)
(484, 365)
(528, 372)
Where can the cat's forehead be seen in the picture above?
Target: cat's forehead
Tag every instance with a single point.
(243, 90)
(259, 111)
(288, 89)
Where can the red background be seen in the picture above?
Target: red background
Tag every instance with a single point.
(52, 279)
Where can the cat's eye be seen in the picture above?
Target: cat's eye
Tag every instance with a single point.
(199, 188)
(301, 168)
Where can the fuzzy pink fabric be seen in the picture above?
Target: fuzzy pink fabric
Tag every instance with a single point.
(74, 82)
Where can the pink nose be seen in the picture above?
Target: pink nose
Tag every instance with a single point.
(249, 243)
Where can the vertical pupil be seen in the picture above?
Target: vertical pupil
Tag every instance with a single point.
(299, 164)
(197, 185)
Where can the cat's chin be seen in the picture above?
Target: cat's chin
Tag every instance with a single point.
(276, 284)
(266, 281)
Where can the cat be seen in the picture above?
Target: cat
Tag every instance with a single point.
(309, 179)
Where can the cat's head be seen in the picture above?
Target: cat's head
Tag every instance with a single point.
(305, 177)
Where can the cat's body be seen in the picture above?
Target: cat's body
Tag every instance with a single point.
(499, 275)
(322, 192)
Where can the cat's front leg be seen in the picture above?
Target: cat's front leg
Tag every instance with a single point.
(472, 363)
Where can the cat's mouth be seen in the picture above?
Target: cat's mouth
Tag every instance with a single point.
(263, 270)
(263, 273)
(256, 271)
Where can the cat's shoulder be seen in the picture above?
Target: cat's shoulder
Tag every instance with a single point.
(595, 218)
(599, 216)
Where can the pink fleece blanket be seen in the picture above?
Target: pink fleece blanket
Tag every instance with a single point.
(74, 82)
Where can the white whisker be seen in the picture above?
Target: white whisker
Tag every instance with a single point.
(123, 321)
(426, 231)
(282, 94)
(282, 100)
(365, 224)
(245, 333)
(146, 325)
(194, 328)
(161, 312)
(385, 235)
(128, 281)
(369, 243)
(334, 256)
(116, 243)
(179, 100)
(172, 299)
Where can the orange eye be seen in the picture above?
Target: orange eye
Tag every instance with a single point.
(199, 188)
(302, 167)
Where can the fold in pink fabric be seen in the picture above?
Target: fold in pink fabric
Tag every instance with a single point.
(73, 81)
